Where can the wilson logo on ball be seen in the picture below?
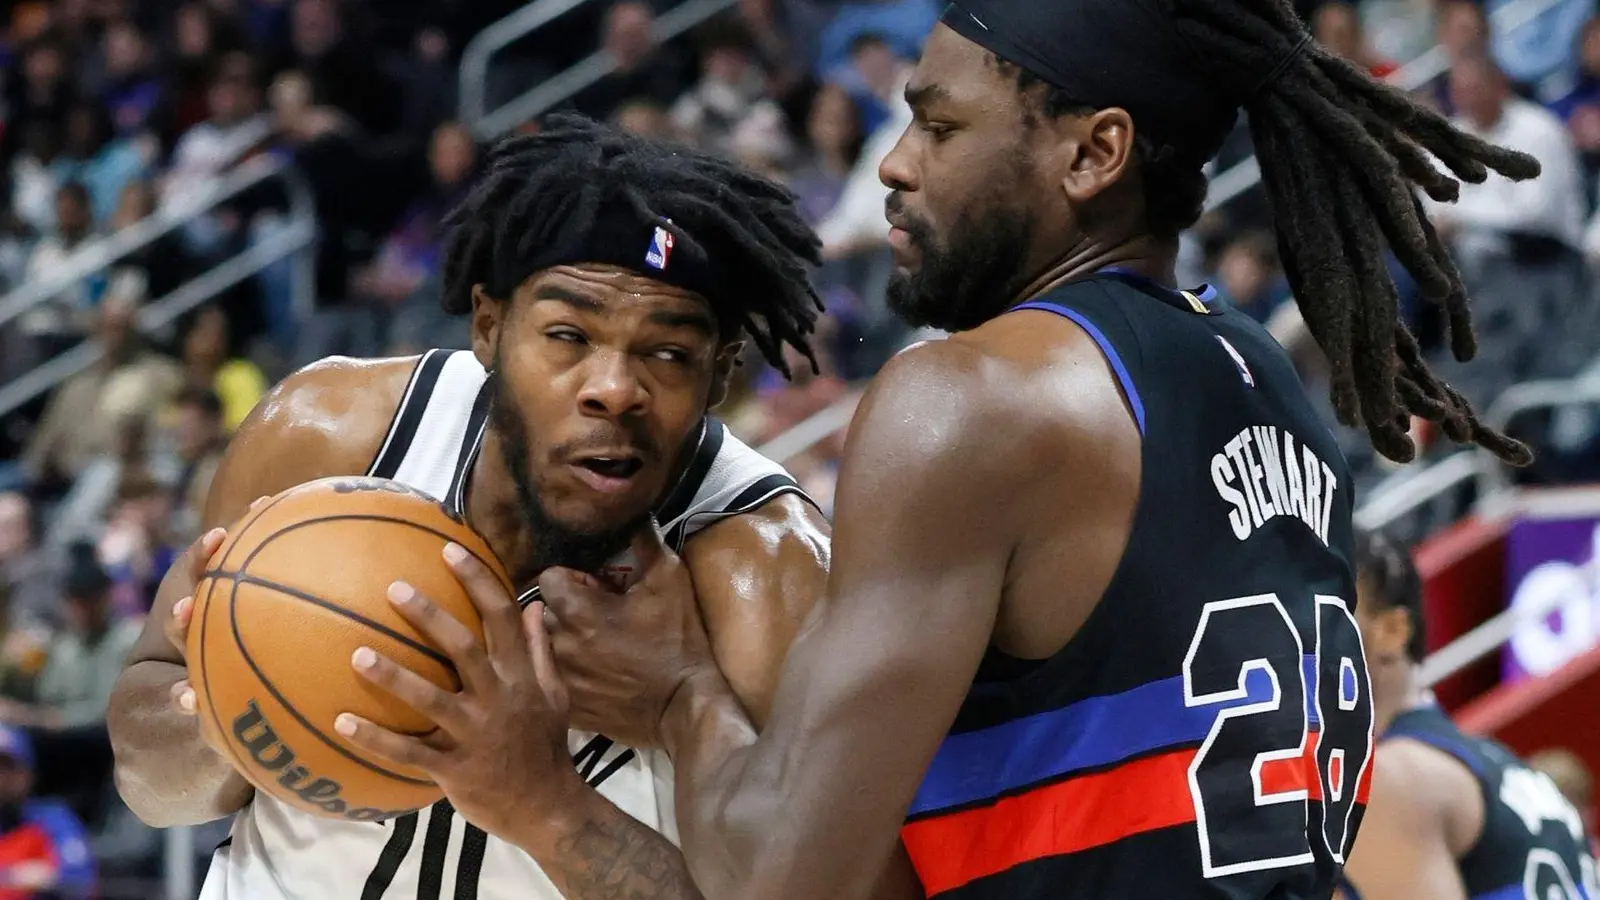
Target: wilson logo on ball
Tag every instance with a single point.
(256, 735)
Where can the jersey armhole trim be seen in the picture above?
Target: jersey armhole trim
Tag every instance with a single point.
(757, 495)
(1106, 349)
(408, 414)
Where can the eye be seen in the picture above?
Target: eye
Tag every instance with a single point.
(567, 335)
(676, 355)
(939, 131)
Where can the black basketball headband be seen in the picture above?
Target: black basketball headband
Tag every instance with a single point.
(660, 250)
(1122, 53)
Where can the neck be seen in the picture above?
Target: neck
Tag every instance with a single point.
(1155, 258)
(493, 510)
(1395, 689)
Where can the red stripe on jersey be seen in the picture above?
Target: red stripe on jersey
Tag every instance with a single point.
(1088, 811)
(1080, 813)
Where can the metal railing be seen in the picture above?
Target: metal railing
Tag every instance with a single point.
(489, 124)
(294, 240)
(1409, 77)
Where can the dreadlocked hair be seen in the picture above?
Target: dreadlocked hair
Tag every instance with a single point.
(1341, 154)
(539, 189)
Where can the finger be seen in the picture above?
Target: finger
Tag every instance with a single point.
(443, 708)
(257, 502)
(502, 621)
(201, 551)
(183, 699)
(466, 652)
(178, 622)
(399, 748)
(543, 656)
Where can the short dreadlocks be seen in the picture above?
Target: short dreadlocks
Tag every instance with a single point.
(539, 190)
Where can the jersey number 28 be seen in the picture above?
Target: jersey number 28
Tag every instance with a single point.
(1249, 780)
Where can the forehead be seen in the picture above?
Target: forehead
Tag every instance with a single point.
(611, 290)
(954, 70)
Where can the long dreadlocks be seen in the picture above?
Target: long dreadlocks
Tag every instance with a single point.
(539, 191)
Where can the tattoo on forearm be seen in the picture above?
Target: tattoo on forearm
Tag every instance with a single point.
(620, 859)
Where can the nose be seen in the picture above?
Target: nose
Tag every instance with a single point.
(898, 170)
(611, 389)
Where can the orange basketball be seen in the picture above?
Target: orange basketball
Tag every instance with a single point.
(300, 583)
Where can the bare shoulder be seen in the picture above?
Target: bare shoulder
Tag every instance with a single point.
(784, 531)
(328, 418)
(1431, 784)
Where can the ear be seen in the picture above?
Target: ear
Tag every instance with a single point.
(1101, 149)
(722, 372)
(488, 315)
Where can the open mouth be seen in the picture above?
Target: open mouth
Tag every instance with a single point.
(608, 474)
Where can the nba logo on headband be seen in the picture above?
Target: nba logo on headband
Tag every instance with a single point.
(660, 249)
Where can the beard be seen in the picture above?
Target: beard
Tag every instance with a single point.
(970, 279)
(552, 542)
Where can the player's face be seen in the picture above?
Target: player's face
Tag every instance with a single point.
(601, 378)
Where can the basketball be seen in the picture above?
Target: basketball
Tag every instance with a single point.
(298, 585)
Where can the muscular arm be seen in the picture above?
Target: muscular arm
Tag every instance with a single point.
(929, 512)
(325, 420)
(1404, 847)
(758, 575)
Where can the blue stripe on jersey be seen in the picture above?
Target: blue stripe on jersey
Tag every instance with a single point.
(978, 765)
(1110, 352)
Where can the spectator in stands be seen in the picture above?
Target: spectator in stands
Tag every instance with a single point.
(84, 659)
(34, 177)
(902, 25)
(427, 78)
(200, 37)
(44, 848)
(1337, 27)
(344, 68)
(1461, 28)
(730, 95)
(211, 365)
(30, 572)
(1491, 219)
(155, 269)
(1249, 276)
(42, 94)
(133, 92)
(410, 253)
(103, 162)
(645, 118)
(1539, 53)
(80, 421)
(834, 136)
(234, 125)
(1580, 107)
(644, 69)
(137, 546)
(1572, 778)
(62, 319)
(199, 439)
(1518, 244)
(875, 77)
(855, 225)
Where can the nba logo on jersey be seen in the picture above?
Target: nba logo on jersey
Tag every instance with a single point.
(660, 248)
(1238, 360)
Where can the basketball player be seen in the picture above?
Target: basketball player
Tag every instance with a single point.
(1088, 630)
(610, 282)
(1452, 816)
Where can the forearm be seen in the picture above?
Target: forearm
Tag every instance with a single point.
(705, 730)
(165, 771)
(591, 850)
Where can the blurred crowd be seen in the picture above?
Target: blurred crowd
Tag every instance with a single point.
(117, 115)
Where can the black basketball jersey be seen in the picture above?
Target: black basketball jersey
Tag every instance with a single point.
(1533, 845)
(1208, 731)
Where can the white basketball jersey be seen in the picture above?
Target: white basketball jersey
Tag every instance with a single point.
(276, 852)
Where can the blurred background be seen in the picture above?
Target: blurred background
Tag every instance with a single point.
(200, 196)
